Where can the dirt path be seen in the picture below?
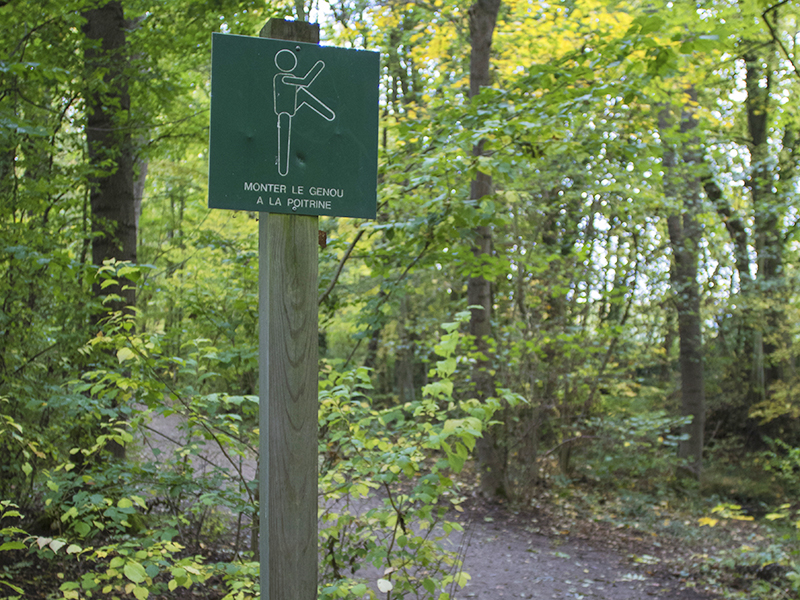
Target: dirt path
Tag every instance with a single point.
(511, 555)
(508, 558)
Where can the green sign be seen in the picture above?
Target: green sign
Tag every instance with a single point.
(294, 128)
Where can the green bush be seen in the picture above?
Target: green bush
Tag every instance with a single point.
(136, 525)
(387, 482)
(638, 449)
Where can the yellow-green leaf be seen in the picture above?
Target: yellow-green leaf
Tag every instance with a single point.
(141, 593)
(134, 571)
(124, 354)
(775, 516)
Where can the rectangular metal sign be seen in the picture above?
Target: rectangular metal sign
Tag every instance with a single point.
(294, 127)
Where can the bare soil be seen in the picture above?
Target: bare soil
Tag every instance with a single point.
(527, 555)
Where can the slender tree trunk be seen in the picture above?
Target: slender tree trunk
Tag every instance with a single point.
(737, 230)
(489, 448)
(404, 358)
(139, 182)
(767, 219)
(684, 235)
(108, 138)
(379, 375)
(682, 186)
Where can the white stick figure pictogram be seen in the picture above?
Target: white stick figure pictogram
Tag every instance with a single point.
(290, 94)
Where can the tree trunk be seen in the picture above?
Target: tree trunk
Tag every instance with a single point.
(108, 138)
(111, 185)
(737, 230)
(767, 220)
(682, 186)
(404, 358)
(684, 235)
(489, 449)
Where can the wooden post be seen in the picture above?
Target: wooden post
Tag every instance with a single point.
(288, 339)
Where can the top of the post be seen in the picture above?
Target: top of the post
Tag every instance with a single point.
(293, 31)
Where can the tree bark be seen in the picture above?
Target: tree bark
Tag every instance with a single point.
(737, 230)
(767, 220)
(108, 137)
(682, 187)
(404, 358)
(489, 448)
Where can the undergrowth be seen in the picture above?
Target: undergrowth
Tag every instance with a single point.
(148, 526)
(734, 540)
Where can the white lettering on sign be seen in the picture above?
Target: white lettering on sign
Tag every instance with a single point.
(272, 201)
(295, 203)
(319, 203)
(253, 186)
(319, 191)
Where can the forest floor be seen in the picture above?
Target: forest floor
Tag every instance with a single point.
(573, 542)
(544, 552)
(537, 554)
(553, 550)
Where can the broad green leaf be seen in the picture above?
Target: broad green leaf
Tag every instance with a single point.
(134, 571)
(141, 593)
(429, 585)
(359, 589)
(124, 354)
(12, 546)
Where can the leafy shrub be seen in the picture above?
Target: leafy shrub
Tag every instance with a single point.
(387, 482)
(767, 565)
(386, 479)
(783, 461)
(636, 449)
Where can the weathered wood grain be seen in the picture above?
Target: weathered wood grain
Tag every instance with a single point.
(288, 338)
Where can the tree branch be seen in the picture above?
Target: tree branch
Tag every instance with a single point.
(776, 38)
(388, 295)
(340, 267)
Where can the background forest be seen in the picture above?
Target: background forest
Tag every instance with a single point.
(582, 277)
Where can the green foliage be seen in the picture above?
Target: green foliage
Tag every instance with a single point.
(767, 566)
(635, 450)
(242, 579)
(783, 461)
(142, 566)
(752, 480)
(388, 484)
(10, 538)
(387, 479)
(103, 512)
